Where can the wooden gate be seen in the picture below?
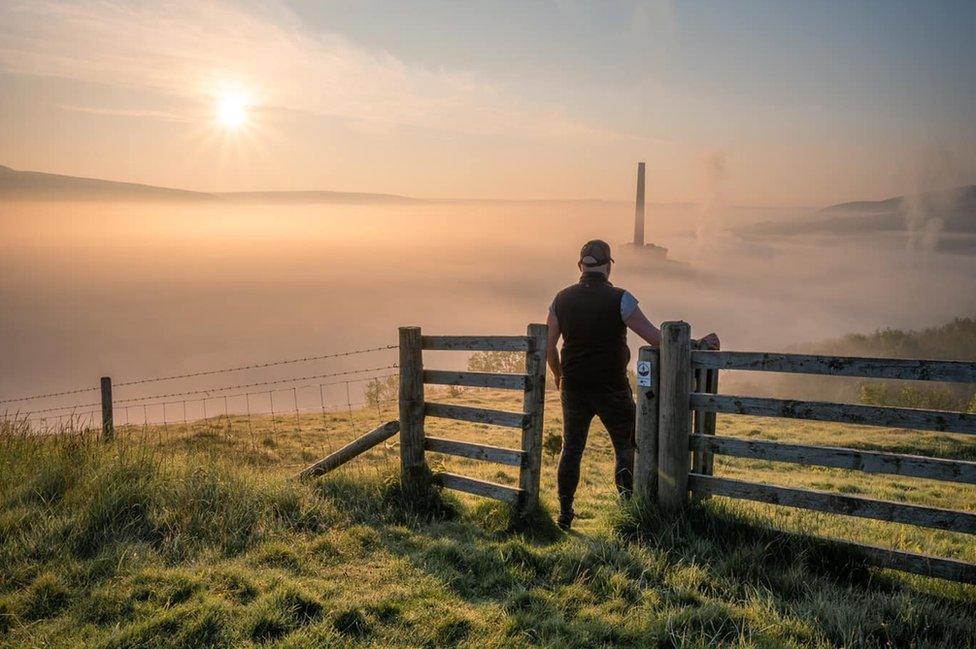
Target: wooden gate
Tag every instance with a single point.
(681, 381)
(414, 409)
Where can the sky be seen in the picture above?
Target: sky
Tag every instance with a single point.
(763, 103)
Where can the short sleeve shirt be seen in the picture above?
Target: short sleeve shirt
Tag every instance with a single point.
(628, 304)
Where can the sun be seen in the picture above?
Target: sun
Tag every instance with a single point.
(231, 111)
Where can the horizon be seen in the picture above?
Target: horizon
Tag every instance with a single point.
(258, 192)
(734, 103)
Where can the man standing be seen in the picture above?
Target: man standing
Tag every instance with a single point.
(592, 317)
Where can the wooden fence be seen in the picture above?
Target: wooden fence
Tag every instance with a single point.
(414, 409)
(675, 449)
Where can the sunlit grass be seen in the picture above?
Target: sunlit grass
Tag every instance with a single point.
(200, 536)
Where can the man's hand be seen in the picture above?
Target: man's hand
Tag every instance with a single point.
(709, 342)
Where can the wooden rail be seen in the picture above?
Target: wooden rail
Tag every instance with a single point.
(497, 454)
(352, 449)
(480, 487)
(477, 379)
(706, 381)
(937, 420)
(476, 415)
(914, 466)
(874, 368)
(919, 564)
(476, 343)
(532, 384)
(663, 422)
(835, 503)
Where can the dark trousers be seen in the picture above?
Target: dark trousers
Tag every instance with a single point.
(618, 413)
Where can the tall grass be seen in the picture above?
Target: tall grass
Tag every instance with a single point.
(171, 544)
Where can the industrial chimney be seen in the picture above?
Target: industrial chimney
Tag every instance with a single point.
(639, 214)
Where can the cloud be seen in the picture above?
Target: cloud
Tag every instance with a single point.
(123, 112)
(192, 50)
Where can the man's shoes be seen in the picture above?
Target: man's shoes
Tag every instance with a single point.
(565, 520)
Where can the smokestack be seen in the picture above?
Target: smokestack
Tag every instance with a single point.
(639, 213)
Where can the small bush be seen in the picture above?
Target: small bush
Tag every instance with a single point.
(552, 443)
(927, 396)
(382, 390)
(505, 362)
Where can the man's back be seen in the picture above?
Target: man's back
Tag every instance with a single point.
(595, 352)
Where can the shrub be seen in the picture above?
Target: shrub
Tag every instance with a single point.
(382, 390)
(507, 362)
(914, 395)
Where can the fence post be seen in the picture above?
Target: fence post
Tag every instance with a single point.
(674, 419)
(697, 421)
(706, 382)
(648, 388)
(108, 424)
(533, 405)
(711, 387)
(413, 468)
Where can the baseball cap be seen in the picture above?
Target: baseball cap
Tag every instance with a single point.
(595, 253)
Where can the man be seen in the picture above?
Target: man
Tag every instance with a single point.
(593, 317)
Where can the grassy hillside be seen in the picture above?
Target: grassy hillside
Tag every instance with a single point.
(199, 536)
(954, 340)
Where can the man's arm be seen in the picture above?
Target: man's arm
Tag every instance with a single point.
(640, 325)
(552, 352)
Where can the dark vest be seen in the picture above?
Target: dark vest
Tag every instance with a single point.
(595, 352)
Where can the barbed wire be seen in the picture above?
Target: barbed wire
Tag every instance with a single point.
(240, 368)
(251, 385)
(49, 394)
(72, 407)
(306, 359)
(29, 413)
(305, 409)
(251, 394)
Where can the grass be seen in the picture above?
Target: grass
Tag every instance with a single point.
(199, 536)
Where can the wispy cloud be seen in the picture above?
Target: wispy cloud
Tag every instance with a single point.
(124, 112)
(191, 50)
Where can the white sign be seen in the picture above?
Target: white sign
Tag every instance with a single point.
(644, 374)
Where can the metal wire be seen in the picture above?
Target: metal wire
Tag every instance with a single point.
(77, 405)
(239, 368)
(251, 385)
(255, 366)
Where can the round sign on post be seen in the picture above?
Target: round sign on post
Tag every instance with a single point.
(644, 374)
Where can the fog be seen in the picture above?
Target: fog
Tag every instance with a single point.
(134, 289)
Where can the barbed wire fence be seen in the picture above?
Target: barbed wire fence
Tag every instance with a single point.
(285, 421)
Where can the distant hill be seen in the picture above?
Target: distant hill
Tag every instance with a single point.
(318, 197)
(951, 213)
(34, 185)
